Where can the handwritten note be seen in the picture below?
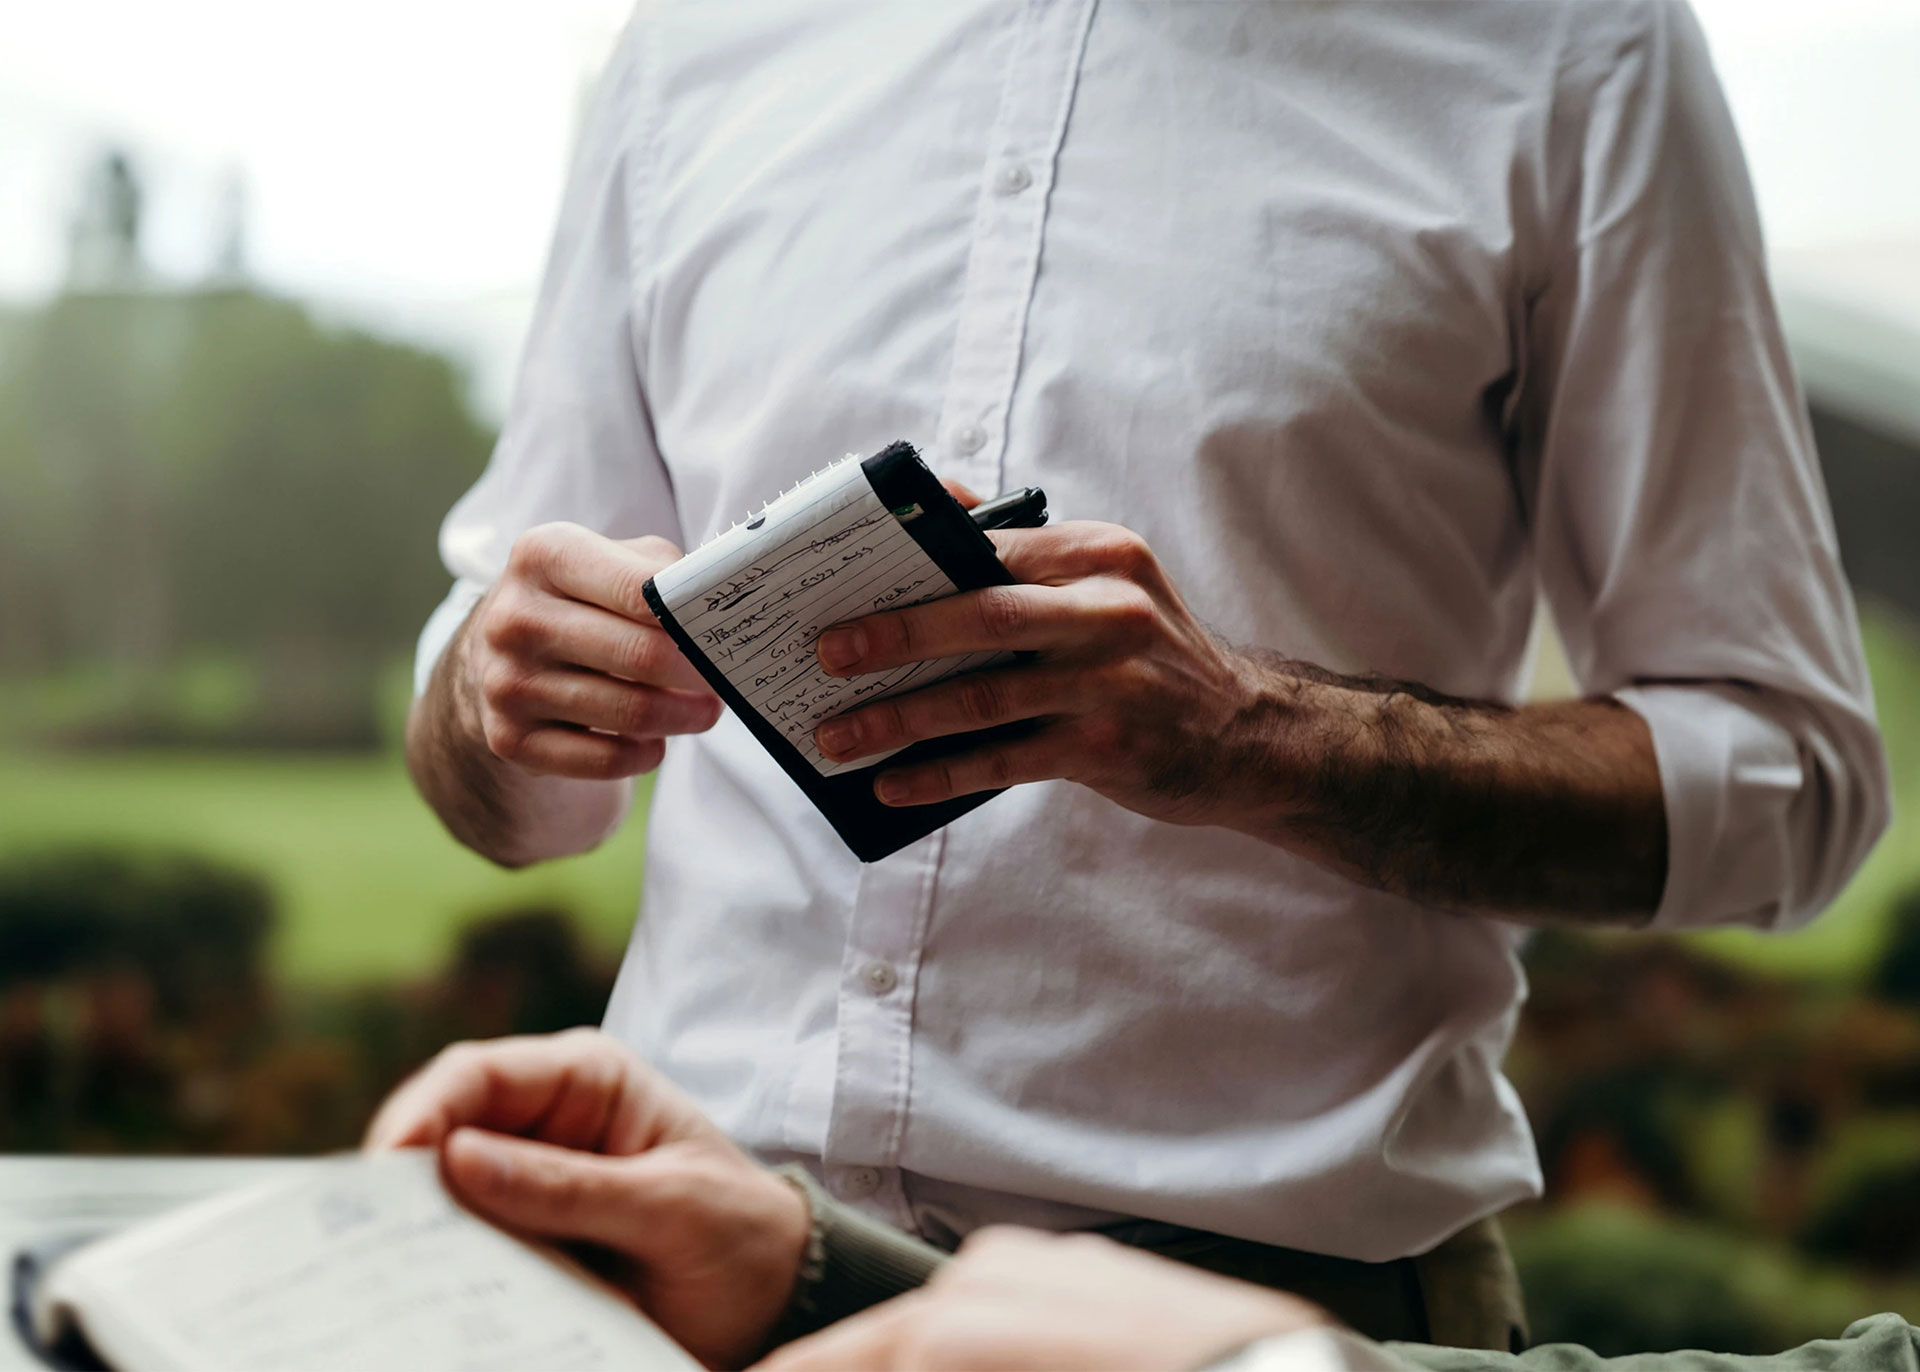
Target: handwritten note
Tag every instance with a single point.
(756, 599)
(362, 1263)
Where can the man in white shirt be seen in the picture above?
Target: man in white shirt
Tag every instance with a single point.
(1336, 332)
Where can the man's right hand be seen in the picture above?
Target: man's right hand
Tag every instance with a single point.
(570, 1136)
(563, 671)
(559, 688)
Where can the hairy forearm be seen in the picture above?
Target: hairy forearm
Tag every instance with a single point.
(503, 812)
(1549, 812)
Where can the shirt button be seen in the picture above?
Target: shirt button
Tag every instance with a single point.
(860, 1182)
(1012, 178)
(879, 978)
(971, 439)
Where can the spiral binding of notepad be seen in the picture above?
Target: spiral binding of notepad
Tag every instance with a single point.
(754, 517)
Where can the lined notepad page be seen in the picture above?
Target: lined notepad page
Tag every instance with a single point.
(756, 598)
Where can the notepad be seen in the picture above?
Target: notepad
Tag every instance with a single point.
(748, 608)
(358, 1262)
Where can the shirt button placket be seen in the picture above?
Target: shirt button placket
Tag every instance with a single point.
(893, 906)
(1004, 254)
(1012, 178)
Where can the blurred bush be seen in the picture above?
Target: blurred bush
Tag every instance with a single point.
(1621, 1280)
(1732, 1157)
(1897, 977)
(194, 931)
(136, 1012)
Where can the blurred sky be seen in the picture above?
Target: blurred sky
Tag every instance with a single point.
(401, 159)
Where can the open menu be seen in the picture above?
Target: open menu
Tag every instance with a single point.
(359, 1262)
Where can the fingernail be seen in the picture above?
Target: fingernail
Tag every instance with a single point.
(892, 789)
(837, 736)
(842, 648)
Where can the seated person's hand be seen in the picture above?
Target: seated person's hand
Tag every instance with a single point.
(572, 1137)
(1017, 1298)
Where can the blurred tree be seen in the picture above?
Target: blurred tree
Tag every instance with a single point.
(215, 474)
(103, 241)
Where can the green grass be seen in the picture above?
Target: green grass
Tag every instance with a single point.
(369, 884)
(371, 887)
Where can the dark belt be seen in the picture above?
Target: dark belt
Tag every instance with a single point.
(1382, 1300)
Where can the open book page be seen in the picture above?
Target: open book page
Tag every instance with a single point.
(359, 1263)
(756, 598)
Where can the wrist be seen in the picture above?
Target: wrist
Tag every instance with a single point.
(849, 1263)
(458, 679)
(1296, 747)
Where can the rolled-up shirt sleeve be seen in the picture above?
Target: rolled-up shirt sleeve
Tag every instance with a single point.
(577, 444)
(1681, 530)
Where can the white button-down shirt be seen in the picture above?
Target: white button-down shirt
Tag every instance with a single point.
(1378, 322)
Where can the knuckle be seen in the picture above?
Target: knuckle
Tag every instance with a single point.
(982, 700)
(597, 1073)
(505, 740)
(535, 550)
(997, 768)
(896, 637)
(635, 712)
(1103, 734)
(458, 1058)
(506, 688)
(629, 591)
(885, 721)
(656, 549)
(1130, 609)
(602, 762)
(640, 656)
(1126, 678)
(1125, 551)
(1003, 611)
(515, 626)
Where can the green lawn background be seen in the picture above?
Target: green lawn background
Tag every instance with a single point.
(371, 887)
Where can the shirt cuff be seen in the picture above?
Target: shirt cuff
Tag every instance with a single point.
(1730, 776)
(852, 1262)
(442, 625)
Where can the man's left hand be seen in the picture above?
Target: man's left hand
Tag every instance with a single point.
(1130, 694)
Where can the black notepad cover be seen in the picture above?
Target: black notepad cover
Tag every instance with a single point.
(948, 535)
